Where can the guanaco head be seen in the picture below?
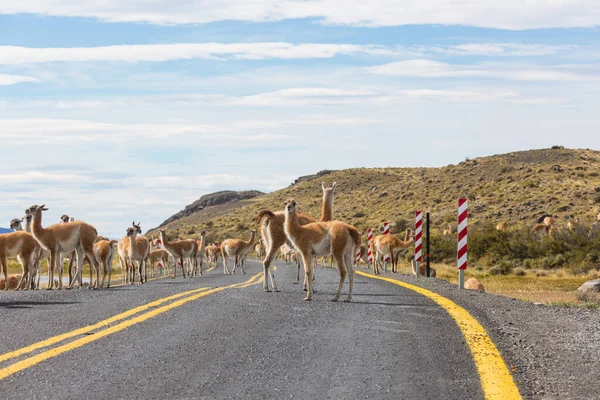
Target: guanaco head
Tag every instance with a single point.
(35, 209)
(101, 238)
(290, 206)
(327, 190)
(137, 227)
(64, 218)
(15, 224)
(131, 231)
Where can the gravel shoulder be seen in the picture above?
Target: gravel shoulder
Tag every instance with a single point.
(553, 351)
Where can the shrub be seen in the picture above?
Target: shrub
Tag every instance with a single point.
(240, 227)
(519, 272)
(502, 268)
(399, 226)
(597, 198)
(528, 263)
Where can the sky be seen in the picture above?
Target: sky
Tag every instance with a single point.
(126, 110)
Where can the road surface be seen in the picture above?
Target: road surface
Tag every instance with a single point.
(226, 341)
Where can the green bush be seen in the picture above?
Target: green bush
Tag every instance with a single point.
(502, 268)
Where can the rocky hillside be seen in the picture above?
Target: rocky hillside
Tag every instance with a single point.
(519, 187)
(212, 200)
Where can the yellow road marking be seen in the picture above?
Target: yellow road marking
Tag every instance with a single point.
(155, 279)
(28, 362)
(496, 380)
(84, 330)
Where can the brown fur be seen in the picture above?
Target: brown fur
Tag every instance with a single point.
(41, 253)
(422, 268)
(238, 249)
(540, 227)
(448, 232)
(180, 250)
(138, 250)
(474, 284)
(160, 256)
(23, 246)
(502, 226)
(123, 252)
(316, 239)
(273, 233)
(200, 253)
(212, 253)
(389, 245)
(64, 238)
(13, 282)
(104, 251)
(549, 221)
(260, 250)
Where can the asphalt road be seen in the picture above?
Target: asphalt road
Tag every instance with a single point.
(238, 342)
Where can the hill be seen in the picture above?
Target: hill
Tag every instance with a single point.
(222, 200)
(519, 187)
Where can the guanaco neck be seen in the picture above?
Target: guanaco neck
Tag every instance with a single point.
(132, 244)
(251, 241)
(327, 207)
(406, 234)
(36, 224)
(292, 226)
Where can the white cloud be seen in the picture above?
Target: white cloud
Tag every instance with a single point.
(292, 97)
(6, 80)
(52, 131)
(111, 209)
(16, 55)
(422, 68)
(500, 49)
(507, 14)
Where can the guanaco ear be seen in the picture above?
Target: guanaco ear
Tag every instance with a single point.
(334, 186)
(43, 207)
(323, 185)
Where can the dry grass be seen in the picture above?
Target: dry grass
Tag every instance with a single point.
(558, 287)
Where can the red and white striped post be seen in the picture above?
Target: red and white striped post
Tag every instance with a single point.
(386, 258)
(463, 212)
(418, 241)
(386, 228)
(370, 245)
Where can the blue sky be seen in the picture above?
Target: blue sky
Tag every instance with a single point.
(125, 110)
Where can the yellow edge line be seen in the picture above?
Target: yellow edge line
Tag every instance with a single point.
(496, 380)
(24, 364)
(81, 331)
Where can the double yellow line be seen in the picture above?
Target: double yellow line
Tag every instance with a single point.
(93, 336)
